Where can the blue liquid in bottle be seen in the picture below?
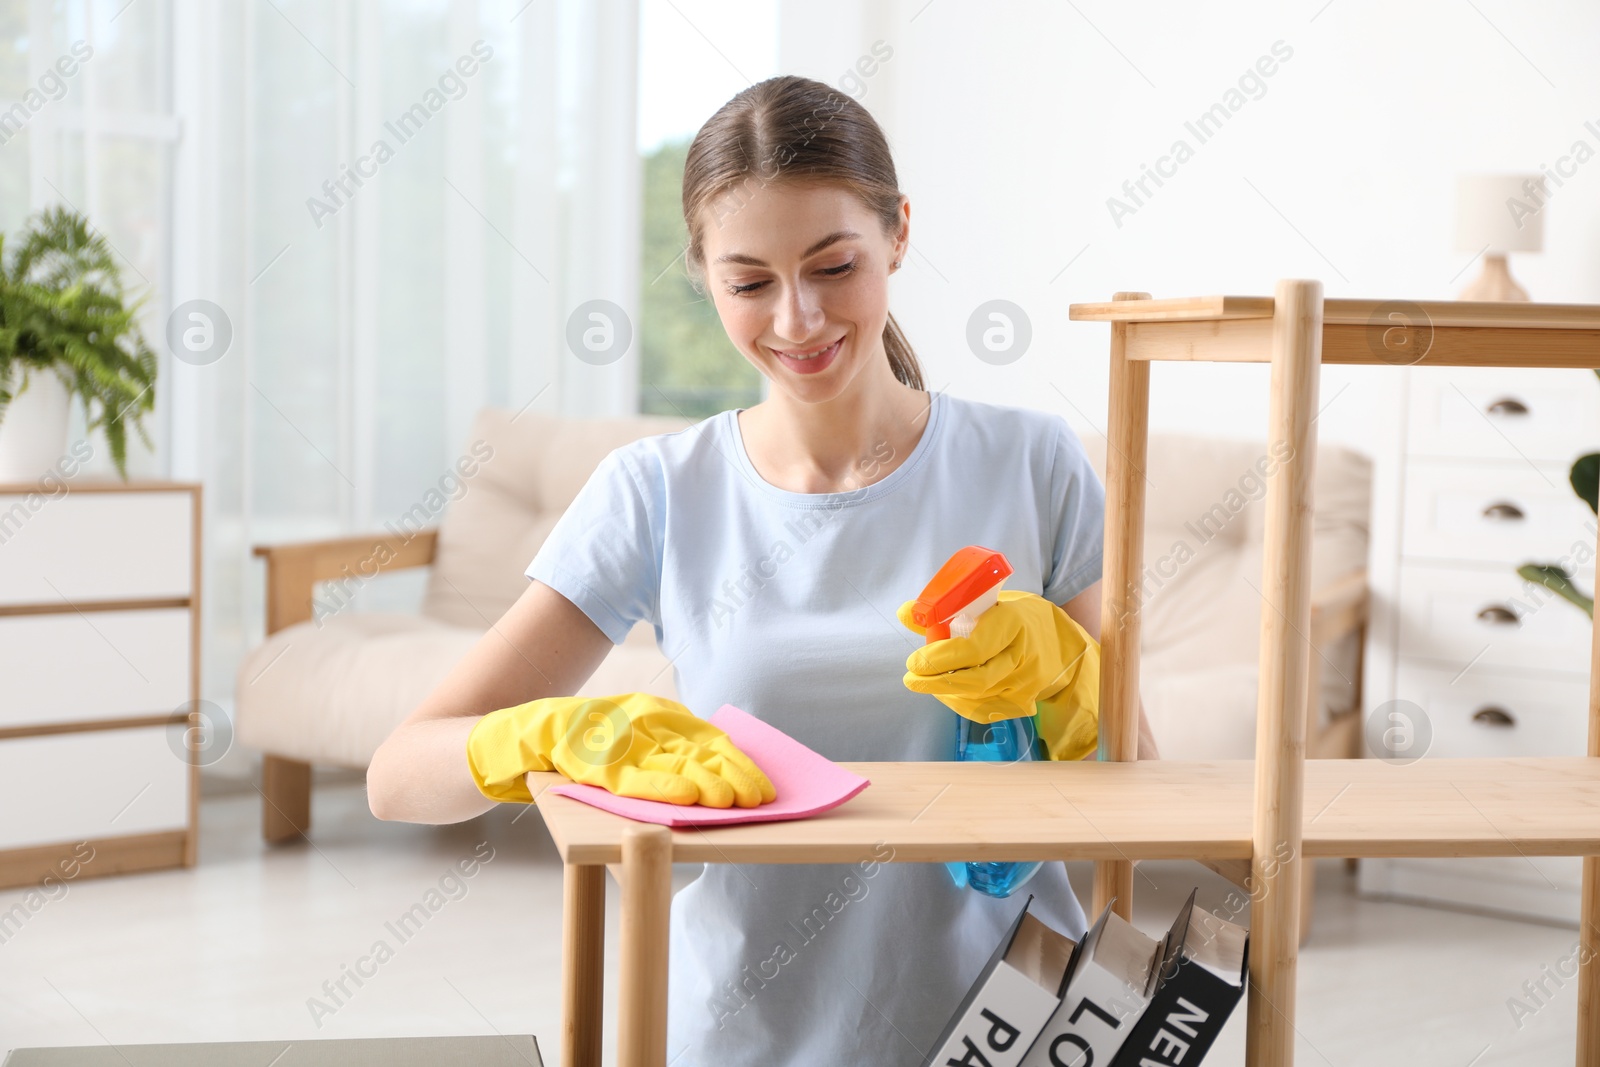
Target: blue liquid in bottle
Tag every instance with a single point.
(1007, 741)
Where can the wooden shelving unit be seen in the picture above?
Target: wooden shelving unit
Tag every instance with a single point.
(1275, 811)
(1296, 331)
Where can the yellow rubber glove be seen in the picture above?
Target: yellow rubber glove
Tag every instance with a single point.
(632, 744)
(1024, 656)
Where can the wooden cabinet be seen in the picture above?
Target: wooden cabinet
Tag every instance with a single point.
(99, 678)
(1472, 483)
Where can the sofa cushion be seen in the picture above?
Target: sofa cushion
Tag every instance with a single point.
(1204, 713)
(1204, 531)
(529, 466)
(331, 693)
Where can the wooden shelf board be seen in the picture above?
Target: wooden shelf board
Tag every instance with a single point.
(1175, 309)
(1347, 312)
(1158, 809)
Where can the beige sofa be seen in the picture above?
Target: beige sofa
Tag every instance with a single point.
(329, 690)
(327, 687)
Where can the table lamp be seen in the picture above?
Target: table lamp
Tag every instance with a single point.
(1497, 214)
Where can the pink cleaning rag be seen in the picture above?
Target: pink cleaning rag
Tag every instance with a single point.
(806, 783)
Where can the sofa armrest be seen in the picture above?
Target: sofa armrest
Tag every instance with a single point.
(1337, 610)
(1339, 607)
(293, 570)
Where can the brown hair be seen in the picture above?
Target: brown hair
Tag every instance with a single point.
(794, 129)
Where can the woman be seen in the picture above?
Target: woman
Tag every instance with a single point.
(773, 548)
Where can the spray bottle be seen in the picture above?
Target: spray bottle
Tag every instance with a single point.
(965, 587)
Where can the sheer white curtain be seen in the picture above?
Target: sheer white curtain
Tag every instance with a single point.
(396, 205)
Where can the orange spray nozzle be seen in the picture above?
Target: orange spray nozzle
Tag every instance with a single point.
(967, 577)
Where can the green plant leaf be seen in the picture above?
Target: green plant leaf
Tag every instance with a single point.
(63, 307)
(1585, 479)
(1558, 581)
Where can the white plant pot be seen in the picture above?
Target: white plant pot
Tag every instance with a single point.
(33, 427)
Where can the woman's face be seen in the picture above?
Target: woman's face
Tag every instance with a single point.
(787, 284)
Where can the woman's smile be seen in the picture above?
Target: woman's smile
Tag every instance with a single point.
(809, 361)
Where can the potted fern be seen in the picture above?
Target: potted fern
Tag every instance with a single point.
(67, 330)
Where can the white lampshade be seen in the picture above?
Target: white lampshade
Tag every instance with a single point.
(1504, 212)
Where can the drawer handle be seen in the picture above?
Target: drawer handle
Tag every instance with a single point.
(1493, 716)
(1498, 615)
(1507, 406)
(1502, 512)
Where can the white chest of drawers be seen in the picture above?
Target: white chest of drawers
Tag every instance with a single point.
(1471, 483)
(99, 674)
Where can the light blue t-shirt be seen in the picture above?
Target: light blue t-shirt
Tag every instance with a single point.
(783, 604)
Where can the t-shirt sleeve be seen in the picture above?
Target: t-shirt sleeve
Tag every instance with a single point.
(1077, 516)
(604, 552)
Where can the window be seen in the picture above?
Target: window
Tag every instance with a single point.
(693, 58)
(687, 365)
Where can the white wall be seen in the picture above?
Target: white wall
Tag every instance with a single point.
(1013, 121)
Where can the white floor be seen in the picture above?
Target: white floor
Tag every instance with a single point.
(238, 948)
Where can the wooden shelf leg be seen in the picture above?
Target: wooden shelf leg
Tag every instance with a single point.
(1275, 875)
(1113, 880)
(583, 963)
(1589, 906)
(285, 798)
(1313, 713)
(1308, 892)
(1589, 966)
(1127, 441)
(646, 911)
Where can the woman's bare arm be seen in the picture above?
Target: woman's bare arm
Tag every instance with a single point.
(1085, 609)
(544, 645)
